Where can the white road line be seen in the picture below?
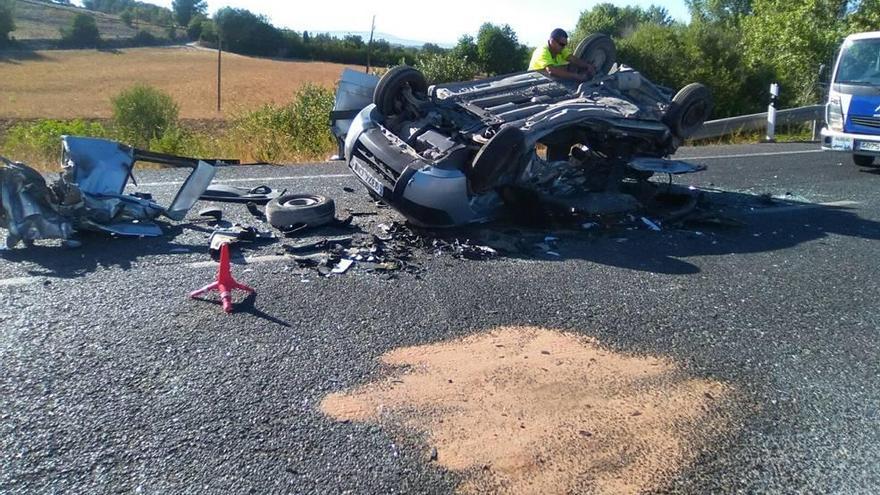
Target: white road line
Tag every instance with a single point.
(9, 282)
(338, 176)
(252, 179)
(748, 155)
(248, 261)
(785, 209)
(841, 203)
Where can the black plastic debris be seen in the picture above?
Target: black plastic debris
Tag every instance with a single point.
(214, 214)
(232, 194)
(256, 211)
(235, 234)
(320, 244)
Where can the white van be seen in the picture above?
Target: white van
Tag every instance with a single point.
(852, 114)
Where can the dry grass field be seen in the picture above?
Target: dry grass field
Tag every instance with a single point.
(65, 84)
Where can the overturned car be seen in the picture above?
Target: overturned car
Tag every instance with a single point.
(443, 155)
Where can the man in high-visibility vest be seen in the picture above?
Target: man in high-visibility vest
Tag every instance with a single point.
(555, 59)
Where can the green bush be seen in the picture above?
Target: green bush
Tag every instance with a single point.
(677, 55)
(142, 114)
(127, 17)
(194, 29)
(82, 33)
(144, 38)
(446, 67)
(295, 131)
(263, 134)
(311, 108)
(41, 140)
(178, 141)
(208, 31)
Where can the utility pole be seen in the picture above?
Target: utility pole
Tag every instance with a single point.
(370, 43)
(219, 65)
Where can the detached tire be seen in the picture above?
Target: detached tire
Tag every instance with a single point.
(388, 95)
(294, 209)
(690, 107)
(501, 156)
(863, 160)
(599, 50)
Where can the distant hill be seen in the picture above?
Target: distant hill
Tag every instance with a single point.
(394, 40)
(43, 21)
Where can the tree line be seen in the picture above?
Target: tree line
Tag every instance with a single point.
(736, 47)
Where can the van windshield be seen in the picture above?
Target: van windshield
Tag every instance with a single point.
(859, 63)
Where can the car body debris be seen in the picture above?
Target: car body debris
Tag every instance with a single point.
(89, 194)
(225, 193)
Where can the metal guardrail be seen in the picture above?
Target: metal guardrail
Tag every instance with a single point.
(755, 121)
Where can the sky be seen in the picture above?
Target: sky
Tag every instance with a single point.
(532, 20)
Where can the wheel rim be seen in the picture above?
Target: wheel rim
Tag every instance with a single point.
(598, 59)
(694, 115)
(301, 202)
(400, 101)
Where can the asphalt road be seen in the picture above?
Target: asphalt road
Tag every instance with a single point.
(111, 380)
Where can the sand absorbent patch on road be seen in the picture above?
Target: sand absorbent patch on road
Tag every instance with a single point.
(531, 410)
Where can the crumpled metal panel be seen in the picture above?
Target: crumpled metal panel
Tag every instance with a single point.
(194, 186)
(96, 166)
(28, 211)
(89, 194)
(100, 169)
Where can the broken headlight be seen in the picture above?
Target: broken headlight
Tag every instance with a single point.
(834, 114)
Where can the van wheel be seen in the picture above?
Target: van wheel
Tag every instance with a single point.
(599, 50)
(863, 160)
(690, 107)
(294, 209)
(389, 94)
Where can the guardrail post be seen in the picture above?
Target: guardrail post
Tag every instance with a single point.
(817, 130)
(771, 113)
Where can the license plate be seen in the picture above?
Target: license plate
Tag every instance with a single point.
(867, 146)
(371, 182)
(841, 143)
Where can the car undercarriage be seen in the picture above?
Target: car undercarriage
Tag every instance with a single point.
(442, 155)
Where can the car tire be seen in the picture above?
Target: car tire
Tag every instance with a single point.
(501, 156)
(690, 107)
(388, 95)
(863, 160)
(599, 50)
(296, 209)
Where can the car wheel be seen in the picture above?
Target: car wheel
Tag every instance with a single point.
(599, 50)
(690, 107)
(389, 93)
(863, 160)
(499, 157)
(294, 209)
